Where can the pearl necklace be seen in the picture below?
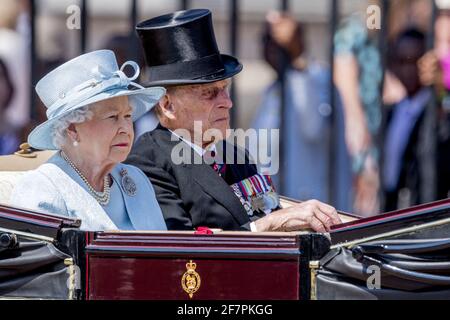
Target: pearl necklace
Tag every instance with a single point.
(101, 197)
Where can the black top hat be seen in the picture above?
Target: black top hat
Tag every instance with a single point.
(180, 48)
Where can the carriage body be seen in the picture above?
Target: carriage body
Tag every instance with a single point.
(48, 256)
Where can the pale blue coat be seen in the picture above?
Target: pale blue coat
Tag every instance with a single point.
(56, 188)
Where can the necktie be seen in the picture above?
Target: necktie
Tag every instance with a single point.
(219, 168)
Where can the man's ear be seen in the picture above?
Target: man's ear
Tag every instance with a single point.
(166, 107)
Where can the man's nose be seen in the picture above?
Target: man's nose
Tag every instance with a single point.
(225, 99)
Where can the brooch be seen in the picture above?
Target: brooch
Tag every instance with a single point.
(128, 184)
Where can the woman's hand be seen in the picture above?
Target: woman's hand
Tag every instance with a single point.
(346, 78)
(367, 184)
(430, 72)
(310, 214)
(357, 135)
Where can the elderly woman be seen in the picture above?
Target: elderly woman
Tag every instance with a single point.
(90, 113)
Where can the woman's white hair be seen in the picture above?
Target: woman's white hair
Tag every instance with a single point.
(60, 128)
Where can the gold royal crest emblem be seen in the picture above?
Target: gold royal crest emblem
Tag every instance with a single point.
(191, 279)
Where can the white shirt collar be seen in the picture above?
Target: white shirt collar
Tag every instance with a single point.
(200, 151)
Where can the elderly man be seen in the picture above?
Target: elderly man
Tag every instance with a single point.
(182, 55)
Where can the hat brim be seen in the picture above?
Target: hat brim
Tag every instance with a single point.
(141, 100)
(231, 67)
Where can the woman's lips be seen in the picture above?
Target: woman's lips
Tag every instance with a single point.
(121, 145)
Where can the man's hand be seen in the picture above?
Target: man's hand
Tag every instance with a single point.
(310, 214)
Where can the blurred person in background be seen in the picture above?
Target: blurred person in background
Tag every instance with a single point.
(404, 14)
(8, 141)
(358, 77)
(403, 156)
(435, 71)
(306, 155)
(14, 53)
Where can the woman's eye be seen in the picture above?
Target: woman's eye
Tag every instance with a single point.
(128, 116)
(112, 117)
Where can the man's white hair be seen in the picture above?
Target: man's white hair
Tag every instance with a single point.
(60, 128)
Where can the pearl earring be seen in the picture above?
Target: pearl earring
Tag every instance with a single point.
(75, 143)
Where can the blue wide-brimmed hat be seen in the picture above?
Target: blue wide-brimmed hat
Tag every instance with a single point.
(87, 79)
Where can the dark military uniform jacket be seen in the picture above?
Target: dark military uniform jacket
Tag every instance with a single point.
(189, 194)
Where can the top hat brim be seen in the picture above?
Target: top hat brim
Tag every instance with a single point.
(142, 101)
(231, 67)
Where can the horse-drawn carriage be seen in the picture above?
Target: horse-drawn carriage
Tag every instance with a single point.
(398, 255)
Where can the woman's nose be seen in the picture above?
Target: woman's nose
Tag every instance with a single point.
(125, 125)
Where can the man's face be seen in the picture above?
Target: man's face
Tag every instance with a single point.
(408, 52)
(209, 104)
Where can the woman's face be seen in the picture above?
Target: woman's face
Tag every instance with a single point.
(106, 138)
(442, 42)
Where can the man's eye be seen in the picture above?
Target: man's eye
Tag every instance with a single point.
(113, 116)
(128, 115)
(211, 94)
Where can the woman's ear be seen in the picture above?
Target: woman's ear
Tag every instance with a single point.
(72, 133)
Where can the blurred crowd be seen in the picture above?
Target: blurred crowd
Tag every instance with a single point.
(14, 73)
(391, 131)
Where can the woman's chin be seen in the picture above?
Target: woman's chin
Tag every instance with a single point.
(120, 154)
